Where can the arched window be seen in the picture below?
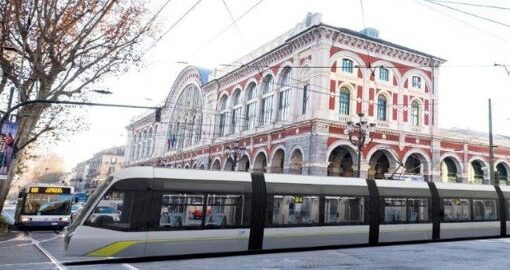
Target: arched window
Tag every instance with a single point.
(381, 108)
(416, 82)
(223, 116)
(384, 74)
(415, 113)
(267, 101)
(187, 112)
(287, 77)
(251, 106)
(284, 96)
(236, 112)
(267, 85)
(347, 65)
(345, 98)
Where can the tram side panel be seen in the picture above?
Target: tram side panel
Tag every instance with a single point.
(468, 211)
(404, 212)
(505, 194)
(199, 216)
(330, 213)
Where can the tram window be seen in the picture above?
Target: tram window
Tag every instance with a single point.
(417, 210)
(111, 211)
(344, 210)
(457, 210)
(224, 210)
(181, 210)
(485, 210)
(295, 210)
(394, 210)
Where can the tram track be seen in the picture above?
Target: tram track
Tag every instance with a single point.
(45, 252)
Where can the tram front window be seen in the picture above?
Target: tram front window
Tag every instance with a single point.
(47, 204)
(109, 213)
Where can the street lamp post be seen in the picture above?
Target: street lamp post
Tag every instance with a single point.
(233, 152)
(364, 131)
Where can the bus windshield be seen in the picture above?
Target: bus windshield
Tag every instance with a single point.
(47, 204)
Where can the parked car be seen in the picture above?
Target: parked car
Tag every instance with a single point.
(105, 211)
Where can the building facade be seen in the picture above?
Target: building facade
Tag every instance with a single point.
(87, 175)
(286, 109)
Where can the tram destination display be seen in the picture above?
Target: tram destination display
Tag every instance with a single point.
(50, 190)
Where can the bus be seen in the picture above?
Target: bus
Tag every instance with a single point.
(44, 206)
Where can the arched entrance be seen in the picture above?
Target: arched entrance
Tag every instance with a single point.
(202, 167)
(216, 165)
(413, 165)
(278, 161)
(229, 165)
(296, 162)
(450, 169)
(476, 172)
(341, 162)
(260, 163)
(502, 173)
(417, 164)
(244, 164)
(381, 162)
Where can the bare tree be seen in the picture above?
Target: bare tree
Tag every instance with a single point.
(58, 49)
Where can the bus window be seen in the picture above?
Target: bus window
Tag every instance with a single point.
(344, 210)
(224, 210)
(181, 210)
(295, 210)
(47, 204)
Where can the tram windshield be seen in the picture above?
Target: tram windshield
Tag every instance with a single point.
(47, 204)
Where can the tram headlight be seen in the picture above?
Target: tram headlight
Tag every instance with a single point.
(25, 219)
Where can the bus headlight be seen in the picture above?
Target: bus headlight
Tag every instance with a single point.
(64, 219)
(25, 219)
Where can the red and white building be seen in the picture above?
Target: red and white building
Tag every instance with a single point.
(286, 109)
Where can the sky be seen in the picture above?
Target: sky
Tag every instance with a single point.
(470, 45)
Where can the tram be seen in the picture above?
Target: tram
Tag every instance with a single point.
(43, 206)
(168, 212)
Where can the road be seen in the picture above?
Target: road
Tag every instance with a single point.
(44, 250)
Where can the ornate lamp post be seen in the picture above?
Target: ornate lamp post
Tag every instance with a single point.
(233, 152)
(364, 131)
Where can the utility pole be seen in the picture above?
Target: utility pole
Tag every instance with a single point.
(492, 179)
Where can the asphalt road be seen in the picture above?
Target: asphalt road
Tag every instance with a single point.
(44, 250)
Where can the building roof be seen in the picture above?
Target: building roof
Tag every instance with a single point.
(115, 151)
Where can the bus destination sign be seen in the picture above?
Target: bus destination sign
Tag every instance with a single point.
(50, 190)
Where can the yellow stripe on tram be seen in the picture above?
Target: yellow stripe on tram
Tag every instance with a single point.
(112, 249)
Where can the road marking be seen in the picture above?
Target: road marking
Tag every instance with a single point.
(48, 254)
(130, 267)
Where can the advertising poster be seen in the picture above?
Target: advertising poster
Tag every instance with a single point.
(7, 137)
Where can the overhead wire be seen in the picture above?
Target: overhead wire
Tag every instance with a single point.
(234, 22)
(175, 24)
(463, 22)
(472, 4)
(468, 13)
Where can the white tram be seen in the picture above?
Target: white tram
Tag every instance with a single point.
(43, 205)
(166, 212)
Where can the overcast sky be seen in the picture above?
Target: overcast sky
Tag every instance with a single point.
(470, 45)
